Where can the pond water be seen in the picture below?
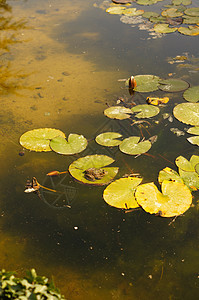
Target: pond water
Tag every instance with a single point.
(61, 62)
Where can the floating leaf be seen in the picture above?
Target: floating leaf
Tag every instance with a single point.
(76, 143)
(108, 139)
(120, 193)
(39, 139)
(191, 30)
(194, 140)
(132, 146)
(96, 165)
(146, 83)
(164, 28)
(147, 2)
(193, 11)
(184, 164)
(171, 13)
(173, 85)
(191, 179)
(118, 112)
(115, 10)
(157, 19)
(169, 174)
(193, 130)
(174, 200)
(149, 14)
(181, 2)
(192, 94)
(145, 111)
(190, 20)
(132, 12)
(187, 113)
(156, 100)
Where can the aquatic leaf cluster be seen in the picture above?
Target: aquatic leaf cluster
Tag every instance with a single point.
(127, 192)
(175, 17)
(31, 286)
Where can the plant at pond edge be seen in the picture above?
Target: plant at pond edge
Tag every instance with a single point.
(31, 286)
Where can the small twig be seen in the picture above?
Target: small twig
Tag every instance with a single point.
(173, 220)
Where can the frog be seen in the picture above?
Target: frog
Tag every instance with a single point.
(93, 174)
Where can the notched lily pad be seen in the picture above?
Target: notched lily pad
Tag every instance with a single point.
(184, 164)
(169, 174)
(120, 193)
(192, 94)
(115, 10)
(187, 113)
(76, 143)
(173, 85)
(132, 12)
(191, 30)
(146, 83)
(132, 146)
(164, 28)
(109, 139)
(193, 11)
(171, 13)
(39, 139)
(92, 169)
(118, 112)
(145, 111)
(174, 200)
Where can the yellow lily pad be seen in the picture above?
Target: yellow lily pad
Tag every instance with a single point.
(120, 193)
(174, 200)
(191, 30)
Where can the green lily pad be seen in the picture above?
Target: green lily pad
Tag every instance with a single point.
(39, 139)
(109, 139)
(76, 143)
(147, 2)
(183, 164)
(118, 112)
(191, 30)
(187, 113)
(171, 13)
(194, 160)
(194, 140)
(145, 111)
(146, 83)
(78, 169)
(181, 2)
(132, 12)
(169, 174)
(120, 193)
(193, 130)
(192, 94)
(193, 11)
(190, 20)
(157, 19)
(115, 10)
(164, 28)
(174, 200)
(191, 179)
(173, 85)
(149, 14)
(132, 146)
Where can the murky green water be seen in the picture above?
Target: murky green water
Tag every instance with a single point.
(59, 69)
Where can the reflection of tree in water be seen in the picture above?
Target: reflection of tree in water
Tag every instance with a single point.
(10, 80)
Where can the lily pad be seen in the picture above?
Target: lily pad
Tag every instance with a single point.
(157, 19)
(99, 162)
(109, 139)
(132, 12)
(173, 85)
(76, 143)
(190, 20)
(193, 130)
(146, 83)
(181, 2)
(194, 140)
(191, 179)
(147, 2)
(120, 193)
(184, 164)
(39, 139)
(145, 111)
(118, 112)
(169, 174)
(192, 94)
(187, 113)
(171, 13)
(132, 146)
(193, 11)
(191, 30)
(115, 10)
(149, 14)
(164, 28)
(174, 200)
